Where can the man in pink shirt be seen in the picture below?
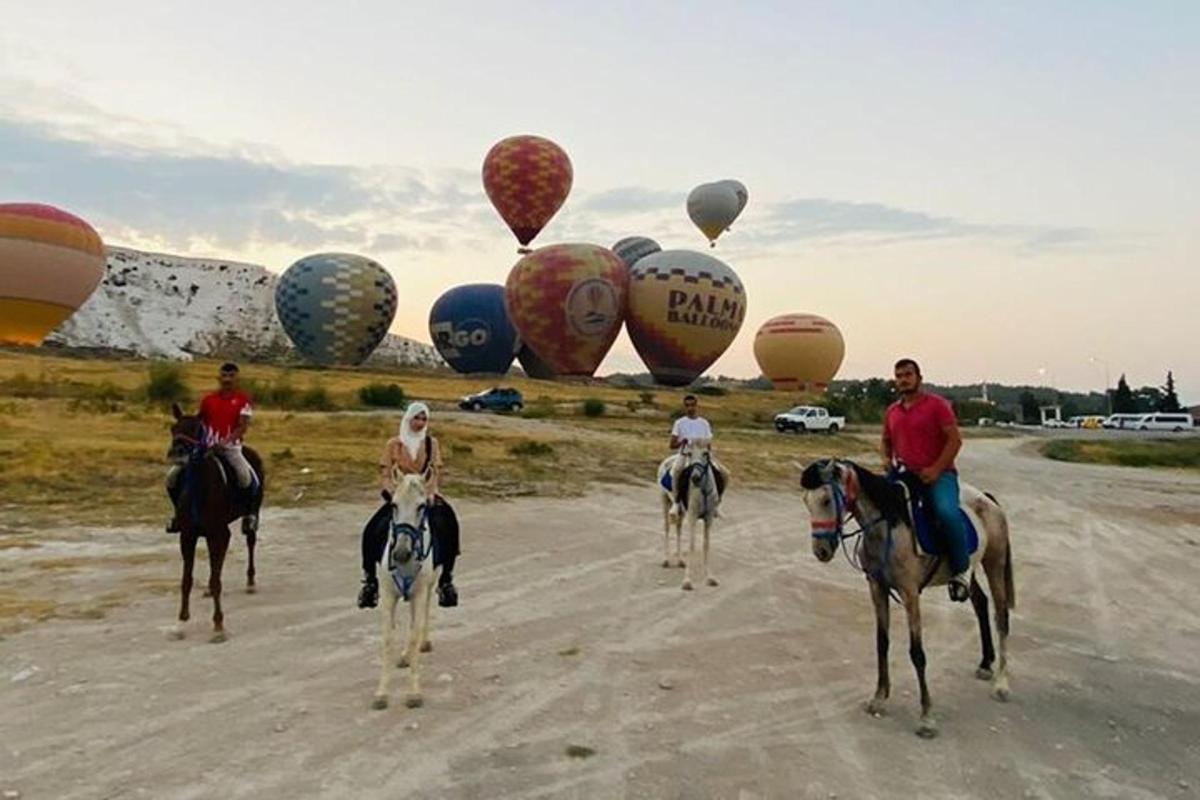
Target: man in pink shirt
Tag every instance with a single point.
(920, 433)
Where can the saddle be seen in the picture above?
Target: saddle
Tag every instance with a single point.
(929, 537)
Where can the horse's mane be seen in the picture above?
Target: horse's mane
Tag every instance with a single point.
(886, 496)
(811, 477)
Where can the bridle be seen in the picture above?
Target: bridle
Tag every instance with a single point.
(405, 572)
(845, 503)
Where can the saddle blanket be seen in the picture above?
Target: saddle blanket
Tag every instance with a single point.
(930, 539)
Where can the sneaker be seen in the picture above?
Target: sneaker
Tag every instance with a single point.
(368, 595)
(960, 587)
(447, 595)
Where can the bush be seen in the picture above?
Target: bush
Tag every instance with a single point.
(381, 395)
(647, 399)
(633, 406)
(712, 390)
(165, 383)
(103, 398)
(529, 447)
(594, 407)
(315, 398)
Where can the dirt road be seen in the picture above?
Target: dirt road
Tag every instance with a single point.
(571, 633)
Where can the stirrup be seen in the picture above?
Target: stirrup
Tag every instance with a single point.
(959, 587)
(250, 524)
(368, 595)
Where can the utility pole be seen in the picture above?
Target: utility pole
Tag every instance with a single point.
(1107, 382)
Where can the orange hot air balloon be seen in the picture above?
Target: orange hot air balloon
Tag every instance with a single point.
(567, 302)
(527, 178)
(50, 263)
(799, 352)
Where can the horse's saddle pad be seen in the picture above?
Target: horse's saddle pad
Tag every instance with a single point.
(930, 536)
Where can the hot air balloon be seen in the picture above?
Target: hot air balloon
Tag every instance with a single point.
(470, 329)
(685, 309)
(533, 365)
(713, 207)
(527, 178)
(567, 302)
(799, 352)
(336, 307)
(50, 263)
(632, 248)
(739, 188)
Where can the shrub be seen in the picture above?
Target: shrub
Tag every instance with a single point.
(530, 447)
(315, 398)
(381, 395)
(461, 449)
(712, 390)
(103, 398)
(647, 399)
(594, 407)
(543, 409)
(165, 383)
(633, 405)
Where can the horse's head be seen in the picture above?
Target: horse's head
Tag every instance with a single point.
(830, 494)
(698, 452)
(408, 512)
(187, 436)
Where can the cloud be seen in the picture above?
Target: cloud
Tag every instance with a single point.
(632, 199)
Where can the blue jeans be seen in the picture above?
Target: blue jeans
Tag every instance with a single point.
(944, 494)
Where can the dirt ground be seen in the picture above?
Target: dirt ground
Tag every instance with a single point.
(572, 634)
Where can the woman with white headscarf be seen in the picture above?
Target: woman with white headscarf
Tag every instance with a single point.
(413, 451)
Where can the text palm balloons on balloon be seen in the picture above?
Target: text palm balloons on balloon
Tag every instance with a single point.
(567, 302)
(685, 309)
(713, 207)
(336, 307)
(527, 178)
(471, 330)
(631, 249)
(50, 263)
(799, 352)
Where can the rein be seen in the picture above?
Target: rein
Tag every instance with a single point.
(404, 574)
(834, 530)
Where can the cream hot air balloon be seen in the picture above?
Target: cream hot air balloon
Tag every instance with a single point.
(50, 263)
(713, 207)
(799, 352)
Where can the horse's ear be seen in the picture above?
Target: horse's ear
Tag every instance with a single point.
(176, 410)
(799, 467)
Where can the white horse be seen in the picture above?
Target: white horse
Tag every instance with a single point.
(702, 501)
(406, 570)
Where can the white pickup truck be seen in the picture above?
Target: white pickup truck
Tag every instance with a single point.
(803, 419)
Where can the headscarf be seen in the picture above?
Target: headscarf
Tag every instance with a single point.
(413, 441)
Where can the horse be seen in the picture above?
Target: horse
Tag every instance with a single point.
(700, 497)
(887, 554)
(406, 570)
(206, 508)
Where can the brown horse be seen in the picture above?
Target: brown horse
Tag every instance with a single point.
(888, 555)
(207, 503)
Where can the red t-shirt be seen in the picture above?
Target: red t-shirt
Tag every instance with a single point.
(916, 432)
(221, 413)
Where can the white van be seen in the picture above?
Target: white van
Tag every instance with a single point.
(1177, 422)
(1127, 421)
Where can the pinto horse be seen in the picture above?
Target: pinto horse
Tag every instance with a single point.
(700, 494)
(206, 507)
(835, 491)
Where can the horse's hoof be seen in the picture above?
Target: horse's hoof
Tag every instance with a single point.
(414, 701)
(687, 586)
(176, 634)
(380, 702)
(666, 563)
(427, 646)
(1000, 694)
(983, 674)
(218, 637)
(251, 589)
(206, 593)
(402, 662)
(876, 707)
(927, 729)
(713, 582)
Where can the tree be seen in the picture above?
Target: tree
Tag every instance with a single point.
(1031, 409)
(1123, 400)
(1170, 400)
(1147, 399)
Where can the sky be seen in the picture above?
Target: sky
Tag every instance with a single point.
(1008, 192)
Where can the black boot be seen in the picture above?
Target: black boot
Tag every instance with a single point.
(368, 595)
(447, 595)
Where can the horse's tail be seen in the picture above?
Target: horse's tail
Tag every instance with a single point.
(1010, 591)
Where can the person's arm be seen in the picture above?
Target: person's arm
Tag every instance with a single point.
(885, 447)
(949, 426)
(676, 440)
(386, 483)
(243, 424)
(433, 484)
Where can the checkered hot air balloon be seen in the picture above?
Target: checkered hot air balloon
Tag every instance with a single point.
(336, 307)
(50, 263)
(567, 302)
(685, 309)
(527, 178)
(799, 352)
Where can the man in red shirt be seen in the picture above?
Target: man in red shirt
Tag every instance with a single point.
(226, 414)
(920, 433)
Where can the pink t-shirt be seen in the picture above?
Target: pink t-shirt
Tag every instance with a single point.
(916, 432)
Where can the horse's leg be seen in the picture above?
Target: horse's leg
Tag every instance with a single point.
(666, 512)
(218, 545)
(883, 685)
(994, 567)
(426, 645)
(708, 578)
(980, 602)
(187, 547)
(679, 542)
(691, 559)
(416, 612)
(251, 540)
(387, 629)
(916, 651)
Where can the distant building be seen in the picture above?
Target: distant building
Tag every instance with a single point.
(1195, 412)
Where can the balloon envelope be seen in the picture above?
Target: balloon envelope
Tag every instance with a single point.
(567, 302)
(470, 329)
(713, 207)
(685, 309)
(632, 248)
(527, 178)
(533, 365)
(336, 307)
(50, 263)
(799, 351)
(739, 189)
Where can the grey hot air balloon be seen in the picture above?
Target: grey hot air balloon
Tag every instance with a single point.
(713, 207)
(633, 248)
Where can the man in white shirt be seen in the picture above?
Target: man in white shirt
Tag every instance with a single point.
(691, 427)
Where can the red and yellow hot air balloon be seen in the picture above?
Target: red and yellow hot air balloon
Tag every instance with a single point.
(527, 178)
(567, 302)
(799, 352)
(50, 263)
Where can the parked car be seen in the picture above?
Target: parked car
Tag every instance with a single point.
(1055, 423)
(1092, 423)
(1117, 421)
(802, 419)
(495, 399)
(1177, 423)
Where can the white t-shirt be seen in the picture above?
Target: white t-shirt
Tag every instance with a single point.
(692, 429)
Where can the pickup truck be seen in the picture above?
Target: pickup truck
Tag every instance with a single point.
(803, 419)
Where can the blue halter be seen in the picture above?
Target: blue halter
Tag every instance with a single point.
(404, 575)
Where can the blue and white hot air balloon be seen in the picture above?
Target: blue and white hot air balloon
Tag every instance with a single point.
(471, 330)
